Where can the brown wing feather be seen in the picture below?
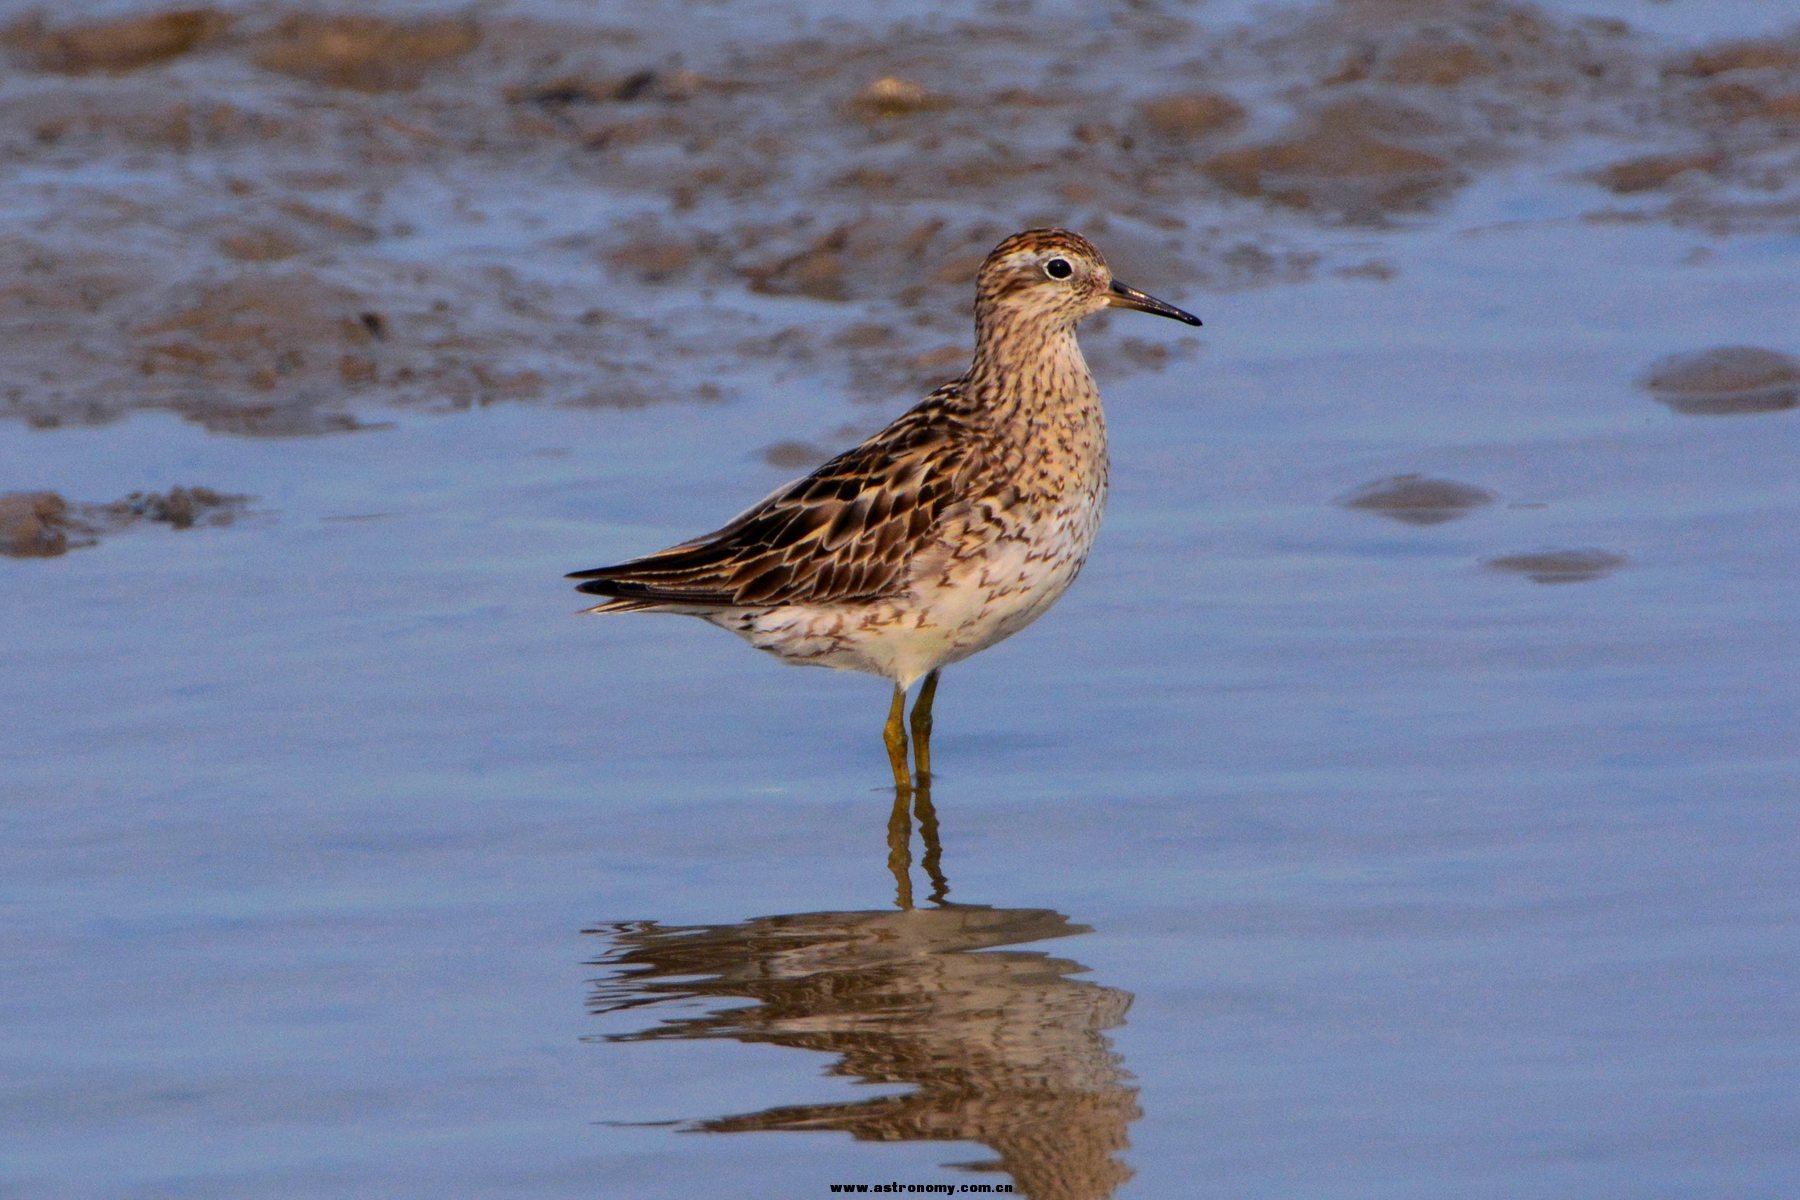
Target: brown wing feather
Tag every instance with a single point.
(842, 534)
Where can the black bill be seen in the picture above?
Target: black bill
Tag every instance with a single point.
(1129, 297)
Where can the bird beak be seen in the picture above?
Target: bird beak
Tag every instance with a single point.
(1129, 297)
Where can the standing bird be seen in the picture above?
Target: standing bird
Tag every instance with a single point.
(954, 527)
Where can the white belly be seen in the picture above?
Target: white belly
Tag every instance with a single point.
(955, 608)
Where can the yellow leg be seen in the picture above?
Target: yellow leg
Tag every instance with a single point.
(921, 727)
(894, 734)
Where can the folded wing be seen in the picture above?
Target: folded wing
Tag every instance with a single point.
(843, 534)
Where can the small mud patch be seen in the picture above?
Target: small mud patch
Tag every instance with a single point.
(1358, 161)
(1417, 500)
(44, 524)
(38, 525)
(793, 455)
(1560, 566)
(261, 354)
(890, 97)
(125, 44)
(1435, 61)
(1653, 171)
(572, 91)
(1190, 116)
(367, 54)
(180, 507)
(1726, 381)
(1730, 57)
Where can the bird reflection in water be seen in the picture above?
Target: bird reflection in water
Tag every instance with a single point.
(1000, 1047)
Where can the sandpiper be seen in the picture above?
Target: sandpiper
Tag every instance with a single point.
(954, 527)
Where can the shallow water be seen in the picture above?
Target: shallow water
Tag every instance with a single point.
(1299, 851)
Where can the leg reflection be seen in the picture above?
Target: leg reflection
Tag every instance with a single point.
(910, 804)
(928, 833)
(900, 848)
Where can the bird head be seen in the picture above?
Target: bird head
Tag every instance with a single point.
(1056, 277)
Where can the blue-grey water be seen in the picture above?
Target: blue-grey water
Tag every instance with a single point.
(1300, 851)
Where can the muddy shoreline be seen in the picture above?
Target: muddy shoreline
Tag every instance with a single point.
(278, 223)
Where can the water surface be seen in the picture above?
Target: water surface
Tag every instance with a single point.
(1299, 851)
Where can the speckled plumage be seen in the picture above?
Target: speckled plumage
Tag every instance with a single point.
(954, 527)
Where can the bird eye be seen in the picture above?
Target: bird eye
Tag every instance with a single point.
(1058, 268)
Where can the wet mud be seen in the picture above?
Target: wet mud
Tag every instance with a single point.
(1726, 381)
(1418, 500)
(44, 524)
(273, 222)
(1560, 566)
(122, 44)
